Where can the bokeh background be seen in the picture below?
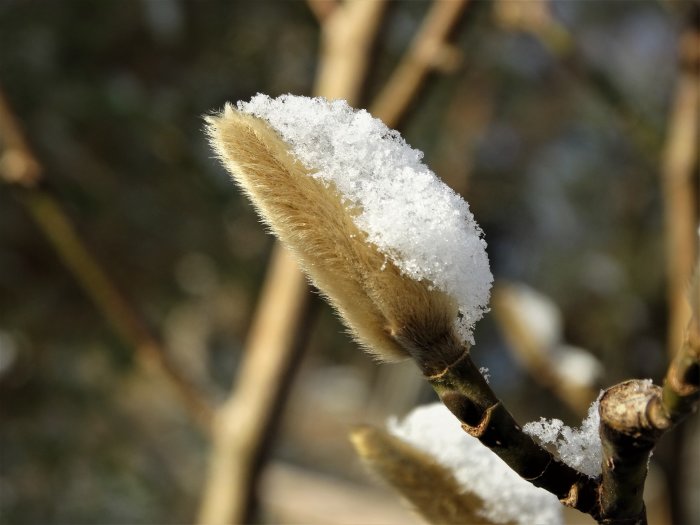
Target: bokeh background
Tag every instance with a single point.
(553, 126)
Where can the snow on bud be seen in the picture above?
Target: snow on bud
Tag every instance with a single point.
(507, 497)
(395, 250)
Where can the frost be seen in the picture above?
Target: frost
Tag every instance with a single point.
(412, 217)
(484, 371)
(507, 497)
(579, 448)
(644, 385)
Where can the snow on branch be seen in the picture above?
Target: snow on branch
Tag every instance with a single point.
(580, 448)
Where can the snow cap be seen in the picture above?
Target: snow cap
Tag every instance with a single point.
(394, 232)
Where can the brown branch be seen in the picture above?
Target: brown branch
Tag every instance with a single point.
(429, 51)
(347, 36)
(635, 414)
(322, 9)
(679, 169)
(23, 171)
(465, 392)
(243, 421)
(17, 163)
(681, 390)
(627, 445)
(627, 438)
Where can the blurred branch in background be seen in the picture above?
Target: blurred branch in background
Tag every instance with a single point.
(245, 421)
(680, 187)
(347, 35)
(679, 182)
(243, 424)
(20, 169)
(322, 9)
(429, 51)
(17, 164)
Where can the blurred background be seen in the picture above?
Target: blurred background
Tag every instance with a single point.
(133, 309)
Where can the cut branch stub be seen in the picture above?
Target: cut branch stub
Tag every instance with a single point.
(628, 435)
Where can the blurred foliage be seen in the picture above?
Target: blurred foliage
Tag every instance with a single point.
(111, 96)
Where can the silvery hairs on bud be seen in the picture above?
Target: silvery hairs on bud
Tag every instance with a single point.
(395, 251)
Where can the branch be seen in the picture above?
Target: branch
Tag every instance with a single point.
(678, 170)
(243, 423)
(681, 390)
(466, 394)
(628, 438)
(322, 9)
(635, 414)
(17, 164)
(429, 51)
(20, 168)
(347, 35)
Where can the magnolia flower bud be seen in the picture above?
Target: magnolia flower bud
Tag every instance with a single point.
(392, 305)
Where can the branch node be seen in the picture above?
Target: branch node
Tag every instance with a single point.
(449, 367)
(572, 497)
(479, 431)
